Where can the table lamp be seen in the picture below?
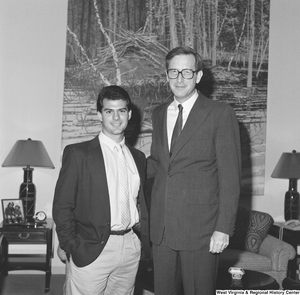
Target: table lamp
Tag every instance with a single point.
(288, 167)
(28, 153)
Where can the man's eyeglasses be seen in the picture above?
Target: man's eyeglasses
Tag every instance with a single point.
(185, 73)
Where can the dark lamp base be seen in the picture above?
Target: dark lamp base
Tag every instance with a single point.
(291, 205)
(27, 195)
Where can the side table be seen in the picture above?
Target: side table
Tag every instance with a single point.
(251, 280)
(33, 235)
(292, 236)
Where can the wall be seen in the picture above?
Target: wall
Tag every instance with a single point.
(283, 118)
(32, 50)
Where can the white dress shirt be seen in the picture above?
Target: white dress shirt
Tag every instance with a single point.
(110, 162)
(172, 114)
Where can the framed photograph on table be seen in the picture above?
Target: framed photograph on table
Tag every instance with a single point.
(13, 211)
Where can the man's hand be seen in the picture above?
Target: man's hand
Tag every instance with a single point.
(218, 242)
(62, 254)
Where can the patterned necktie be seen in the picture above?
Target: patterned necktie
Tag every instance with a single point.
(123, 192)
(177, 128)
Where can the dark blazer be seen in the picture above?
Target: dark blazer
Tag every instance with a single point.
(196, 190)
(81, 206)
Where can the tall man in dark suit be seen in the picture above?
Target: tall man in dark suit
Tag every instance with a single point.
(195, 159)
(95, 205)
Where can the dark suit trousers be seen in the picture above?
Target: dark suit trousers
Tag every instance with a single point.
(197, 270)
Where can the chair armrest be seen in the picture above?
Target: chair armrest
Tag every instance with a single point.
(278, 251)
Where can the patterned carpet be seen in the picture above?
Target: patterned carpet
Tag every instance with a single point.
(17, 284)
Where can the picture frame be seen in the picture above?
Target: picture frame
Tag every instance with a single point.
(13, 211)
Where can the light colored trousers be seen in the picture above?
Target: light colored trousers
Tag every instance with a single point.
(112, 273)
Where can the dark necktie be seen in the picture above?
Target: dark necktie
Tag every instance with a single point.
(177, 128)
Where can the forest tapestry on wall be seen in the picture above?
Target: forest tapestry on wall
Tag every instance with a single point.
(125, 43)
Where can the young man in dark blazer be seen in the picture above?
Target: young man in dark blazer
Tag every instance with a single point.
(95, 204)
(197, 180)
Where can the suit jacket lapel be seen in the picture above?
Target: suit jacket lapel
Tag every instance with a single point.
(197, 115)
(96, 165)
(164, 132)
(140, 166)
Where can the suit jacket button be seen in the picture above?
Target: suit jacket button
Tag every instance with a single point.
(102, 242)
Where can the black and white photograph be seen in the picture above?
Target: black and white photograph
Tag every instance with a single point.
(13, 212)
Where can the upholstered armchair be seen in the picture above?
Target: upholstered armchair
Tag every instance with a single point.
(252, 248)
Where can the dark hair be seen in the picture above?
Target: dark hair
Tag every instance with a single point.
(113, 92)
(186, 50)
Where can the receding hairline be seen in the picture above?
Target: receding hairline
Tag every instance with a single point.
(185, 50)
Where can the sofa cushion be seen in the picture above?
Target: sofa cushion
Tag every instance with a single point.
(245, 260)
(251, 228)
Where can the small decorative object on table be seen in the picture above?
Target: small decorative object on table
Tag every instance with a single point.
(236, 273)
(40, 217)
(13, 211)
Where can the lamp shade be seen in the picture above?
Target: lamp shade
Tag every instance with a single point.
(28, 153)
(288, 166)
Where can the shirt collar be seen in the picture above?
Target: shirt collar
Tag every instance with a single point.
(110, 142)
(188, 104)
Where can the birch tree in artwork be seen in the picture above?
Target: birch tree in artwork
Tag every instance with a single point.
(110, 43)
(172, 21)
(189, 16)
(215, 33)
(251, 43)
